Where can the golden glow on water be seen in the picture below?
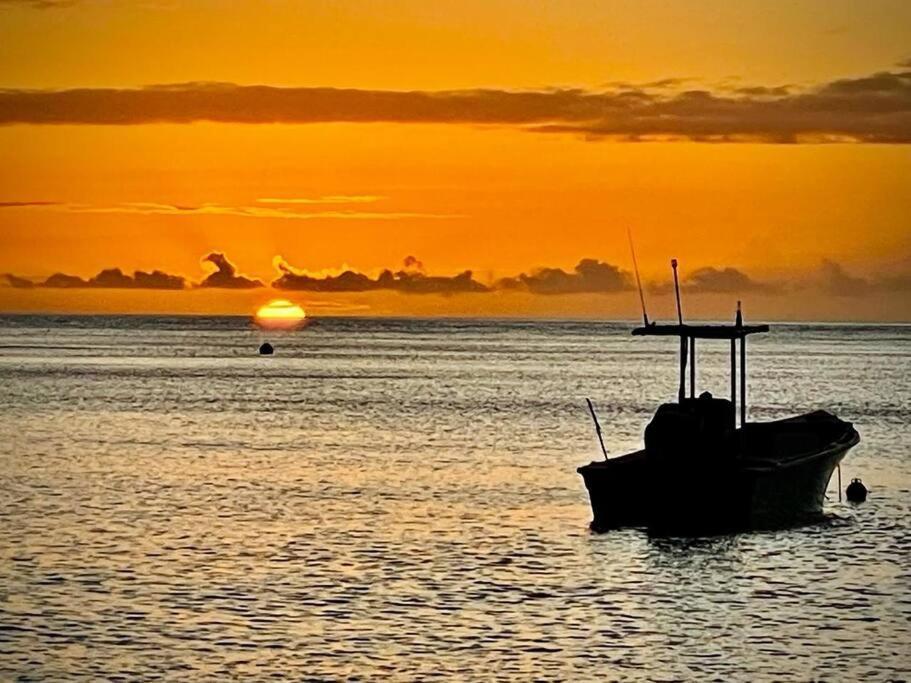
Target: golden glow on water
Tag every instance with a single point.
(280, 314)
(387, 499)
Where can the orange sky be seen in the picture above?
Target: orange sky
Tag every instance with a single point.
(476, 180)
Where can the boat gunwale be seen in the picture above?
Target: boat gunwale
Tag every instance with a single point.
(846, 441)
(764, 465)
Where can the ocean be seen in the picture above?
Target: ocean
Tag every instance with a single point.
(396, 499)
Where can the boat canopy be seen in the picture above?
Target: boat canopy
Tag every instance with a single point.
(688, 335)
(699, 331)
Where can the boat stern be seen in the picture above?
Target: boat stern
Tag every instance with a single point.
(617, 490)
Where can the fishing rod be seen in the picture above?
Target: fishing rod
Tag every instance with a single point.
(591, 409)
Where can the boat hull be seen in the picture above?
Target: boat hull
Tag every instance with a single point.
(795, 495)
(689, 494)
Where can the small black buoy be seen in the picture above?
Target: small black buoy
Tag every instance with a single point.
(266, 349)
(856, 491)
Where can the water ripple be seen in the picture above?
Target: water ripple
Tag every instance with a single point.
(397, 500)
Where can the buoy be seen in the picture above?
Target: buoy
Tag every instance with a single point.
(266, 349)
(856, 491)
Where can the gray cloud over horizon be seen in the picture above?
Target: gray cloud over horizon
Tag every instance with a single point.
(590, 276)
(875, 108)
(837, 281)
(409, 280)
(109, 278)
(225, 275)
(711, 280)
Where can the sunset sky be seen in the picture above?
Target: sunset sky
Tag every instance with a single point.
(256, 150)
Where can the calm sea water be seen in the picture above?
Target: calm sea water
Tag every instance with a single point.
(397, 499)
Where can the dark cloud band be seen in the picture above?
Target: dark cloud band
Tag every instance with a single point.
(410, 280)
(225, 276)
(711, 280)
(874, 108)
(590, 276)
(110, 278)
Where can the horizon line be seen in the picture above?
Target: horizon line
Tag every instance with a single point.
(490, 318)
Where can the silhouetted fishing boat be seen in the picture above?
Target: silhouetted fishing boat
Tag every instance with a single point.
(702, 473)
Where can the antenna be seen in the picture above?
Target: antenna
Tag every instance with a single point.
(629, 235)
(684, 340)
(677, 291)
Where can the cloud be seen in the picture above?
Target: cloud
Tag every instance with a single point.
(225, 275)
(213, 209)
(110, 278)
(412, 262)
(157, 280)
(835, 280)
(711, 280)
(40, 4)
(589, 275)
(873, 108)
(660, 84)
(764, 91)
(405, 281)
(326, 199)
(18, 282)
(724, 281)
(896, 283)
(64, 281)
(26, 205)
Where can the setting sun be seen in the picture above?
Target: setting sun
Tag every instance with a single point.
(280, 314)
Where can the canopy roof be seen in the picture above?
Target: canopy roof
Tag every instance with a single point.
(699, 331)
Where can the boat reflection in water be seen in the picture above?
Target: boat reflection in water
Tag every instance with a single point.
(702, 473)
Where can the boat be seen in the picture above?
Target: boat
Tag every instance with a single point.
(701, 472)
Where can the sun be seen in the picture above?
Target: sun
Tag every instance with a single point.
(280, 314)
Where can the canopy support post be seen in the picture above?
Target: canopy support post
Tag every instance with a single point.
(681, 391)
(743, 381)
(692, 367)
(734, 382)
